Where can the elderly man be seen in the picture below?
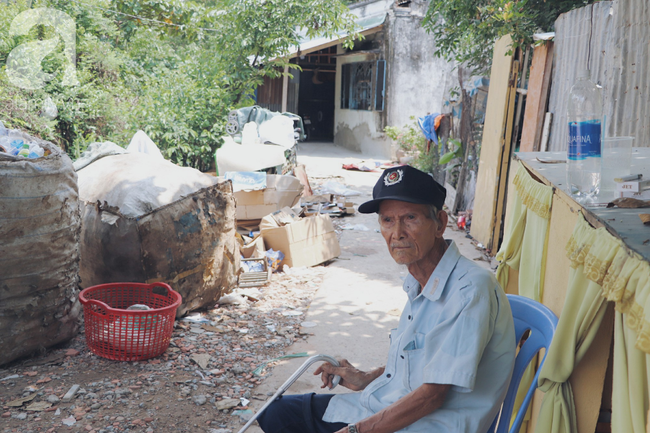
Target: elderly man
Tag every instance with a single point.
(451, 357)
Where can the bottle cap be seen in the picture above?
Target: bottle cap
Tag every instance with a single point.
(584, 73)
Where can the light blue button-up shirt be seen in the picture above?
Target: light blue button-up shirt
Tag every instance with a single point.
(458, 331)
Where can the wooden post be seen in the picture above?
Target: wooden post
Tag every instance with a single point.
(521, 91)
(537, 97)
(285, 89)
(504, 166)
(466, 123)
(496, 142)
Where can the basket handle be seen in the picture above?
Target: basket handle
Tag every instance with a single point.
(160, 290)
(102, 307)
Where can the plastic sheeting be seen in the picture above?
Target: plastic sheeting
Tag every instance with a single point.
(137, 184)
(254, 157)
(141, 143)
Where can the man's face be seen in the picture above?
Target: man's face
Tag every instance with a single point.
(408, 229)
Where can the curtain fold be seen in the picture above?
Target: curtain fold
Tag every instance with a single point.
(590, 252)
(628, 285)
(630, 390)
(520, 249)
(602, 269)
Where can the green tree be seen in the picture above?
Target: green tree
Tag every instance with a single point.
(173, 68)
(256, 37)
(466, 30)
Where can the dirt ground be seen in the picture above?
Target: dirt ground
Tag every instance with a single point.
(171, 393)
(250, 342)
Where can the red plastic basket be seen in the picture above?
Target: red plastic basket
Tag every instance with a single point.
(116, 333)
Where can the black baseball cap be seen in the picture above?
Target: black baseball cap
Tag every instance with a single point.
(405, 183)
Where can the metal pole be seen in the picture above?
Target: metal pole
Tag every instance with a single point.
(285, 386)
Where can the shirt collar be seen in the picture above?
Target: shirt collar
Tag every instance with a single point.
(438, 279)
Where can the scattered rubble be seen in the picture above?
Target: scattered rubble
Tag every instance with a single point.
(202, 383)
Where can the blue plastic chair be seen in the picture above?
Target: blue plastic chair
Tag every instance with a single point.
(530, 316)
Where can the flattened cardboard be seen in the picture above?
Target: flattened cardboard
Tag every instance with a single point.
(254, 249)
(280, 191)
(307, 242)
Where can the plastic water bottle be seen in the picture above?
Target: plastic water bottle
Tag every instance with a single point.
(15, 145)
(35, 151)
(24, 152)
(585, 113)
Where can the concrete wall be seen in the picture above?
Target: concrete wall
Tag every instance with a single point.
(417, 82)
(370, 7)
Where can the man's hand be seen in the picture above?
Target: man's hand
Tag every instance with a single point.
(351, 378)
(405, 411)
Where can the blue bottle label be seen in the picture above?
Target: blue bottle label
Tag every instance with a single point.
(584, 139)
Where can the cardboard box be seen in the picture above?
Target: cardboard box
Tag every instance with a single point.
(307, 242)
(280, 191)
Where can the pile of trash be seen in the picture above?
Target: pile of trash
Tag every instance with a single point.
(260, 139)
(145, 219)
(15, 143)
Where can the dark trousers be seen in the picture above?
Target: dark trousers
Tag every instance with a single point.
(298, 414)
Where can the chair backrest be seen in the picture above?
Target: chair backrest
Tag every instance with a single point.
(530, 316)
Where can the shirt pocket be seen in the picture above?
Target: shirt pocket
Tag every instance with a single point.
(414, 362)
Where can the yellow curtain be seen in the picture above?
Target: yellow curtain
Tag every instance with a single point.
(526, 232)
(520, 250)
(628, 285)
(630, 391)
(602, 269)
(591, 251)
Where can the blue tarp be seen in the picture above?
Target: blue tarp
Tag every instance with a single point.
(426, 124)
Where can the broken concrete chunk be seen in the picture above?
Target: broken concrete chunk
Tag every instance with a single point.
(69, 421)
(71, 392)
(227, 403)
(39, 406)
(201, 359)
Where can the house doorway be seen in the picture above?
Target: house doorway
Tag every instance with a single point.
(316, 96)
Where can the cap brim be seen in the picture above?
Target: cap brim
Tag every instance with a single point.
(372, 206)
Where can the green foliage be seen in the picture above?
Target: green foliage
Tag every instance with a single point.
(465, 30)
(257, 37)
(409, 138)
(456, 152)
(412, 141)
(173, 68)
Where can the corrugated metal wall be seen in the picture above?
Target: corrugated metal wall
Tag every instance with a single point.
(611, 38)
(581, 38)
(630, 71)
(269, 94)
